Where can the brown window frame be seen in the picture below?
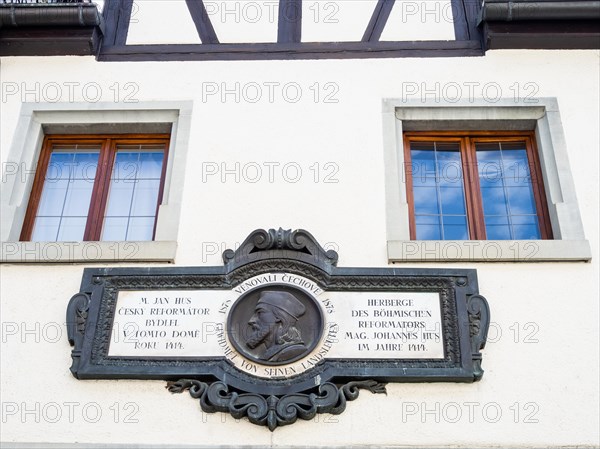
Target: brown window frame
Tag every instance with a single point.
(108, 149)
(474, 203)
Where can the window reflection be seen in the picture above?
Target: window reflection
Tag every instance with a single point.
(495, 199)
(438, 191)
(133, 193)
(507, 192)
(65, 200)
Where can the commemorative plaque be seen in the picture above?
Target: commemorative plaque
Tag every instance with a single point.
(278, 332)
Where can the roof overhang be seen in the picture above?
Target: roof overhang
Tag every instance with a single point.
(33, 29)
(544, 24)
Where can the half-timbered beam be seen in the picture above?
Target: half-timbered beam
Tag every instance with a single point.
(472, 13)
(465, 17)
(202, 21)
(277, 51)
(117, 15)
(378, 20)
(459, 18)
(289, 27)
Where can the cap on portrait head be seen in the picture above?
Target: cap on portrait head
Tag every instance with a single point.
(284, 301)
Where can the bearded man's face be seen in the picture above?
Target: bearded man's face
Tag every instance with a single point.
(263, 323)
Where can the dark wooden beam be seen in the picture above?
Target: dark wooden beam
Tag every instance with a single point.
(117, 14)
(110, 12)
(123, 22)
(202, 21)
(378, 20)
(277, 51)
(459, 16)
(289, 25)
(472, 12)
(465, 14)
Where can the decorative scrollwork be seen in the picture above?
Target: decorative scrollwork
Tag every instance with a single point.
(274, 411)
(479, 322)
(77, 313)
(299, 241)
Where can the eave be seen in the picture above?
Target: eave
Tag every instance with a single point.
(50, 29)
(541, 24)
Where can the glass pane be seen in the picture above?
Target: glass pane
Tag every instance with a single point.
(425, 199)
(521, 200)
(489, 165)
(455, 228)
(428, 232)
(145, 197)
(85, 165)
(66, 194)
(126, 166)
(72, 229)
(114, 229)
(423, 164)
(140, 228)
(119, 198)
(133, 193)
(449, 164)
(494, 201)
(151, 165)
(453, 200)
(45, 229)
(497, 228)
(60, 166)
(77, 200)
(438, 191)
(528, 232)
(53, 197)
(515, 165)
(526, 227)
(507, 192)
(525, 220)
(428, 227)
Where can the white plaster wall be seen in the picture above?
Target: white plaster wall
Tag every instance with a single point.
(548, 372)
(151, 23)
(412, 20)
(327, 21)
(235, 21)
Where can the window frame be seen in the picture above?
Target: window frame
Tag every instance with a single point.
(99, 198)
(38, 119)
(467, 141)
(540, 115)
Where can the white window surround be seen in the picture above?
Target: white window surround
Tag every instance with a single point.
(36, 119)
(539, 114)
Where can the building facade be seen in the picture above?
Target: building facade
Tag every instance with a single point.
(446, 134)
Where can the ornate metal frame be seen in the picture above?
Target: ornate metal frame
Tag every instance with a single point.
(221, 387)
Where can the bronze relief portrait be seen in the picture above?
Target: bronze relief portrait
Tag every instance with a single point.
(275, 325)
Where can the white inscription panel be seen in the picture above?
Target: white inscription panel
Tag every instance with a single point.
(361, 325)
(388, 325)
(168, 323)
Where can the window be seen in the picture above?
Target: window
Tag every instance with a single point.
(471, 126)
(97, 188)
(166, 120)
(478, 186)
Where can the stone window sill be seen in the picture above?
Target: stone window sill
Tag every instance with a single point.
(88, 252)
(488, 251)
